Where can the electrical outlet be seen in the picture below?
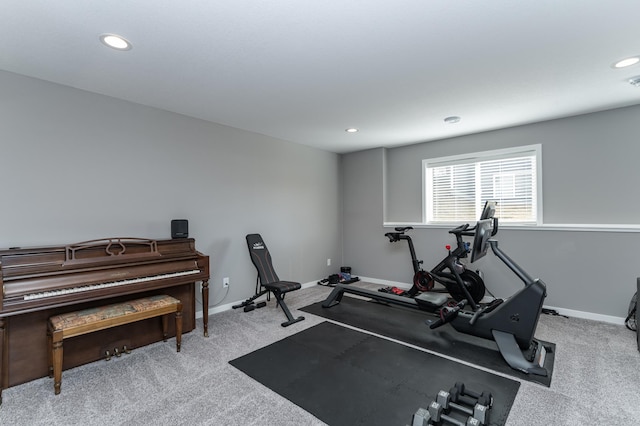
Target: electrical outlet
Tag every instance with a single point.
(328, 262)
(225, 282)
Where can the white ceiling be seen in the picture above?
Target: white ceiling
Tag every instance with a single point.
(305, 70)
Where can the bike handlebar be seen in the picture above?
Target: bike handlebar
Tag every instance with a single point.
(459, 229)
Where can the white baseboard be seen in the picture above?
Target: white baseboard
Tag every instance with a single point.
(568, 312)
(588, 315)
(386, 282)
(228, 306)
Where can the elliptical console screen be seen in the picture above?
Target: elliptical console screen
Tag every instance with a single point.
(484, 227)
(489, 210)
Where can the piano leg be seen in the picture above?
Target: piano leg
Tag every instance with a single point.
(205, 307)
(178, 329)
(3, 365)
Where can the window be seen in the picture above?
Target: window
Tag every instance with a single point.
(456, 188)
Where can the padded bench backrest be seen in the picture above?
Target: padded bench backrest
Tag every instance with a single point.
(261, 259)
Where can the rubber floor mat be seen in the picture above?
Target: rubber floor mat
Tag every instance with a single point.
(347, 377)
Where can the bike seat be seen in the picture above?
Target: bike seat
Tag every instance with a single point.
(403, 228)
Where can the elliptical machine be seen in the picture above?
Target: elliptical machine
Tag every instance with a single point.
(473, 287)
(511, 322)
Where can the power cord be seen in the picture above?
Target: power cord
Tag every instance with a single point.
(223, 297)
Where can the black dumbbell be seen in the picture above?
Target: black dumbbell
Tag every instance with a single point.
(484, 398)
(479, 412)
(437, 415)
(488, 398)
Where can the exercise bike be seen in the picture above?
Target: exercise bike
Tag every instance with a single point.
(473, 288)
(511, 322)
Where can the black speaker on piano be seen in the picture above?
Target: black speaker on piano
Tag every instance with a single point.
(179, 228)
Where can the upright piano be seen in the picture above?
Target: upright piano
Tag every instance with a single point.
(40, 282)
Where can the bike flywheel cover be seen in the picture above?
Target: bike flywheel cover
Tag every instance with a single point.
(423, 281)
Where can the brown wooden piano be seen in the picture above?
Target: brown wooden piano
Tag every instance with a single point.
(40, 282)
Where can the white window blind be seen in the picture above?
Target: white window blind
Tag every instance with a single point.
(456, 188)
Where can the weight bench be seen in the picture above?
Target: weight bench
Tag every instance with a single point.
(85, 321)
(267, 280)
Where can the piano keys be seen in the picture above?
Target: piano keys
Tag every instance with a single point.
(44, 281)
(90, 287)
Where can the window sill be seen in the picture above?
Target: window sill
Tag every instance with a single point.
(576, 227)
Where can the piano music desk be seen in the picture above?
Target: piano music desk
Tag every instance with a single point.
(85, 321)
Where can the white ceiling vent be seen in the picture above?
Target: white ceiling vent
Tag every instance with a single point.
(635, 81)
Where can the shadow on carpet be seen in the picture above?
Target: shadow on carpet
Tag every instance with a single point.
(408, 325)
(346, 377)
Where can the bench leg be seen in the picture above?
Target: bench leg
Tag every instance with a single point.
(179, 327)
(56, 359)
(165, 325)
(50, 350)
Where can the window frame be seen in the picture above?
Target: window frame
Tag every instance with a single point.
(476, 157)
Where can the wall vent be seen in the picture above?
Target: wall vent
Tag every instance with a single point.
(635, 81)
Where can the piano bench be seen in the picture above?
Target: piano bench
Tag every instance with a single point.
(85, 321)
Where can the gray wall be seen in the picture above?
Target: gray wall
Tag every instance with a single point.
(589, 177)
(76, 166)
(589, 167)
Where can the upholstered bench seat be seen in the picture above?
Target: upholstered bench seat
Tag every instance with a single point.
(85, 321)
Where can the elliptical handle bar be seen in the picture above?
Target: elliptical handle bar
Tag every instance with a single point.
(494, 231)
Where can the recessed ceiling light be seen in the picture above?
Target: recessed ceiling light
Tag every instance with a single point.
(452, 120)
(627, 62)
(115, 42)
(351, 130)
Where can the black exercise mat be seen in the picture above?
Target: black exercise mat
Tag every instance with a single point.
(408, 325)
(346, 377)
